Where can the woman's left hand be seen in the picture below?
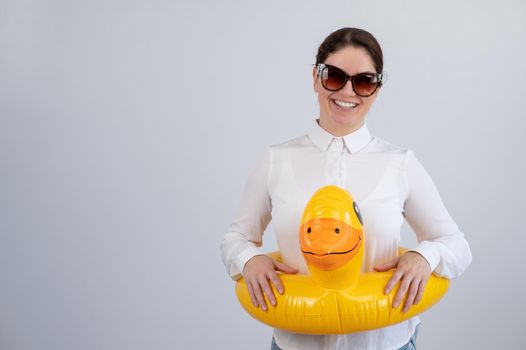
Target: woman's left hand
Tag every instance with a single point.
(413, 271)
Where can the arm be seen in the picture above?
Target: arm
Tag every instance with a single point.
(441, 242)
(442, 247)
(244, 236)
(239, 248)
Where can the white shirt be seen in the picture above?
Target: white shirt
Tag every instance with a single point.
(387, 182)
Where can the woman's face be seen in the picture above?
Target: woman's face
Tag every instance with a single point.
(343, 119)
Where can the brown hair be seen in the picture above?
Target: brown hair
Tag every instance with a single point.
(351, 37)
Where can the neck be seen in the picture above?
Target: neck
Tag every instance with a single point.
(339, 130)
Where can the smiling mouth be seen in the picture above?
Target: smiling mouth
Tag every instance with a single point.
(345, 252)
(344, 104)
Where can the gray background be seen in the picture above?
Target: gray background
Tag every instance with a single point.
(127, 130)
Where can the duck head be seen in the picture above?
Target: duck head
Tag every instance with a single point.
(331, 231)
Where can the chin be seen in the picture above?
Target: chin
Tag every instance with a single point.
(347, 121)
(347, 117)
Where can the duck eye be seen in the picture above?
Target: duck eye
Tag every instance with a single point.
(337, 230)
(308, 230)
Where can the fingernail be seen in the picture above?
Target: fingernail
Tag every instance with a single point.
(280, 290)
(264, 307)
(395, 304)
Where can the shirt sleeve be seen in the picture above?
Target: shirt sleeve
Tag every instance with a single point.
(244, 235)
(440, 241)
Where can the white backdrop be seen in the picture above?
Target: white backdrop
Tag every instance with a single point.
(127, 129)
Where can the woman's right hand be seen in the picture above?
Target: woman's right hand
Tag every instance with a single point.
(258, 272)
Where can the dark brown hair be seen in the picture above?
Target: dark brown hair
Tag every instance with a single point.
(351, 37)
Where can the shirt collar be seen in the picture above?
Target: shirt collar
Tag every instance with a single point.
(354, 141)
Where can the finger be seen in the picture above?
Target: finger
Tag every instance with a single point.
(267, 290)
(251, 294)
(284, 267)
(387, 265)
(404, 285)
(393, 281)
(259, 295)
(276, 281)
(421, 289)
(413, 289)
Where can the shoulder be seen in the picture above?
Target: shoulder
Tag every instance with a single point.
(295, 145)
(299, 141)
(291, 150)
(384, 151)
(378, 145)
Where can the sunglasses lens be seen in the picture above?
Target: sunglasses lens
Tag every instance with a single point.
(365, 84)
(333, 79)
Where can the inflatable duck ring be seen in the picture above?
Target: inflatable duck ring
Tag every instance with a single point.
(336, 297)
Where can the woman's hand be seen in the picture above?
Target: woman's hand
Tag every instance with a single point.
(257, 272)
(413, 271)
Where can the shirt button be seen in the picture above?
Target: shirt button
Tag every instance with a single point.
(336, 144)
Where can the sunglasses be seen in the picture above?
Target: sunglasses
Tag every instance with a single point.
(334, 79)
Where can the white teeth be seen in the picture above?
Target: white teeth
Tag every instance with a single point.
(345, 104)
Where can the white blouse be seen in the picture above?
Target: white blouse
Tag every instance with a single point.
(387, 182)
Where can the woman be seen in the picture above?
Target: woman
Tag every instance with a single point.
(387, 182)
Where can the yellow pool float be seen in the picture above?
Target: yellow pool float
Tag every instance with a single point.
(336, 298)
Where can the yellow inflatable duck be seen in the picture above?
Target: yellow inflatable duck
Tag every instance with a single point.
(336, 298)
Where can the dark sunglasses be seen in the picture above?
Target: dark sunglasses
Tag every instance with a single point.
(334, 79)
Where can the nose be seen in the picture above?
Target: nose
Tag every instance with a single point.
(347, 89)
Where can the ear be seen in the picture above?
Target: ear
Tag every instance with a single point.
(379, 88)
(315, 79)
